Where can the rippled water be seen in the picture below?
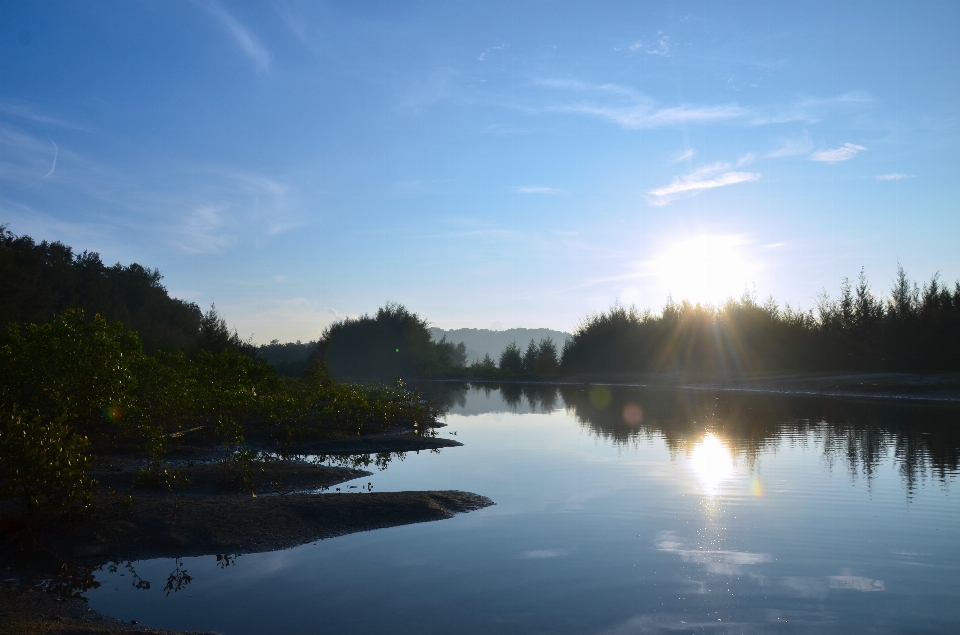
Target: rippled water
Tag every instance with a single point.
(620, 511)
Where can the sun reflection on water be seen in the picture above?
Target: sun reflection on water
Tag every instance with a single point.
(712, 462)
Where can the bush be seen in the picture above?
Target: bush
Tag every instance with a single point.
(44, 466)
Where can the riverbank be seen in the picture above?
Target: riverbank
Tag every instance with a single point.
(207, 507)
(934, 387)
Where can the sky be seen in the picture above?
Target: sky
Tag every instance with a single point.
(488, 165)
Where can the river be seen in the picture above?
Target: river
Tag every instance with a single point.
(618, 510)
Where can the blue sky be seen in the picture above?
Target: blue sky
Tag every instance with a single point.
(487, 164)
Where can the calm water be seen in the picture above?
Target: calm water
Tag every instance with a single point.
(620, 511)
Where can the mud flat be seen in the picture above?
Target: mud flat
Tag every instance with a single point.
(209, 508)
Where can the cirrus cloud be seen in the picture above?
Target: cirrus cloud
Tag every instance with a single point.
(704, 178)
(844, 153)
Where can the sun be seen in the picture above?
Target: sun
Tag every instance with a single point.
(705, 269)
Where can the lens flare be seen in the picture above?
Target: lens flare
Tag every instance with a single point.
(756, 487)
(712, 462)
(632, 414)
(600, 396)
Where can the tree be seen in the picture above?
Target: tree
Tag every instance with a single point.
(511, 360)
(392, 344)
(530, 358)
(547, 364)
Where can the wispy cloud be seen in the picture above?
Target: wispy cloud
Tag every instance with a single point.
(630, 109)
(203, 231)
(438, 87)
(812, 109)
(642, 116)
(580, 86)
(292, 19)
(704, 178)
(663, 47)
(536, 189)
(247, 42)
(844, 153)
(26, 159)
(23, 110)
(539, 554)
(490, 49)
(791, 147)
(56, 153)
(683, 156)
(894, 176)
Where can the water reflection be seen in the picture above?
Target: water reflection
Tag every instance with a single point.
(922, 439)
(712, 462)
(592, 536)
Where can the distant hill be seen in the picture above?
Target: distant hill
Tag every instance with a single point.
(480, 342)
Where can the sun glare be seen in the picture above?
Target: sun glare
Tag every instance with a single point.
(705, 269)
(712, 462)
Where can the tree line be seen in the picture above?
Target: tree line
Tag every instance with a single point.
(915, 328)
(78, 379)
(41, 280)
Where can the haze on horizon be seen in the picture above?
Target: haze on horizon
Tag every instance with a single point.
(488, 165)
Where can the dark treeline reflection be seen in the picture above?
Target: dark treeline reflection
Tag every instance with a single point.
(923, 441)
(514, 397)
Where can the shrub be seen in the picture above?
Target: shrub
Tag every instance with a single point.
(44, 466)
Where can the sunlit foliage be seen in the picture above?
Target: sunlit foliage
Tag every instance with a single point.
(75, 386)
(914, 329)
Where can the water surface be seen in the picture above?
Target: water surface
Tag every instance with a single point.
(618, 511)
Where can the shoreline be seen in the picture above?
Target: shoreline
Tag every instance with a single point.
(218, 509)
(936, 389)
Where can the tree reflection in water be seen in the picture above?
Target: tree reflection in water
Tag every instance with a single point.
(923, 440)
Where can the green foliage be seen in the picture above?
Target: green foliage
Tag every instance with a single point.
(44, 466)
(485, 368)
(72, 369)
(914, 329)
(511, 360)
(538, 361)
(290, 359)
(72, 385)
(393, 344)
(38, 281)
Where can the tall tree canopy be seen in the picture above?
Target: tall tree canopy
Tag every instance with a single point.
(40, 280)
(394, 343)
